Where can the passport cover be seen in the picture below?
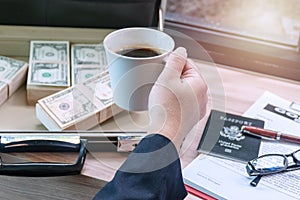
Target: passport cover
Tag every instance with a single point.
(223, 137)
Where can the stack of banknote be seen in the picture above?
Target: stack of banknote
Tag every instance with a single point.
(73, 94)
(79, 107)
(49, 69)
(12, 75)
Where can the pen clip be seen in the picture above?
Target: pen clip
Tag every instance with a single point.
(257, 136)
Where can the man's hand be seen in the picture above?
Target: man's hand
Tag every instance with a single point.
(178, 98)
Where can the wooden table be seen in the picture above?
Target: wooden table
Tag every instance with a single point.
(231, 90)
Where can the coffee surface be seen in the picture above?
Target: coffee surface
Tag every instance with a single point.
(139, 52)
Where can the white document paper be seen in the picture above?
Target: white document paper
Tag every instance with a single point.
(224, 179)
(277, 113)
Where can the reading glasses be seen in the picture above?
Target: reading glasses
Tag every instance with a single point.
(271, 164)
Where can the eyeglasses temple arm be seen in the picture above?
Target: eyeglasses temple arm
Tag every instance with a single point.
(255, 181)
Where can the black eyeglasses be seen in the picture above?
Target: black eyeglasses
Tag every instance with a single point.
(271, 164)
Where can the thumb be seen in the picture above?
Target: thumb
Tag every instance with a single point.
(175, 64)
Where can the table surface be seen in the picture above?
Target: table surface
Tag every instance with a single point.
(230, 89)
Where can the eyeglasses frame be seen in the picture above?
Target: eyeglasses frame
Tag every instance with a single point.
(259, 173)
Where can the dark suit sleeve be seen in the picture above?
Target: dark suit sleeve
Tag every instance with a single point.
(151, 171)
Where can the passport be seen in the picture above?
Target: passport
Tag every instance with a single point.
(223, 137)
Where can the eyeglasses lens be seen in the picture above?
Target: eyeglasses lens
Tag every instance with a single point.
(297, 155)
(269, 164)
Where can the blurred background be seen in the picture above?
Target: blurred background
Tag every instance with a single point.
(271, 20)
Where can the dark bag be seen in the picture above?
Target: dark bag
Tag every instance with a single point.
(80, 13)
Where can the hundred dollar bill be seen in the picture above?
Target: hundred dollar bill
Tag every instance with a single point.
(87, 60)
(81, 106)
(13, 72)
(49, 60)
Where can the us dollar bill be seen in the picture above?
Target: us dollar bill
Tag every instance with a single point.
(87, 60)
(68, 106)
(88, 54)
(49, 63)
(3, 92)
(13, 73)
(49, 51)
(83, 105)
(56, 74)
(81, 74)
(100, 86)
(9, 67)
(2, 84)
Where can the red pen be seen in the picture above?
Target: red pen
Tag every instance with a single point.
(275, 135)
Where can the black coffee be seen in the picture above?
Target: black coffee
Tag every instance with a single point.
(139, 52)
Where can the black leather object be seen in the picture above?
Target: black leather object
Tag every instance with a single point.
(80, 13)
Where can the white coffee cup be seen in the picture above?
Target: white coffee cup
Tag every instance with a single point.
(133, 77)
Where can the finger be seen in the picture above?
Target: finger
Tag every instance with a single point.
(189, 69)
(175, 64)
